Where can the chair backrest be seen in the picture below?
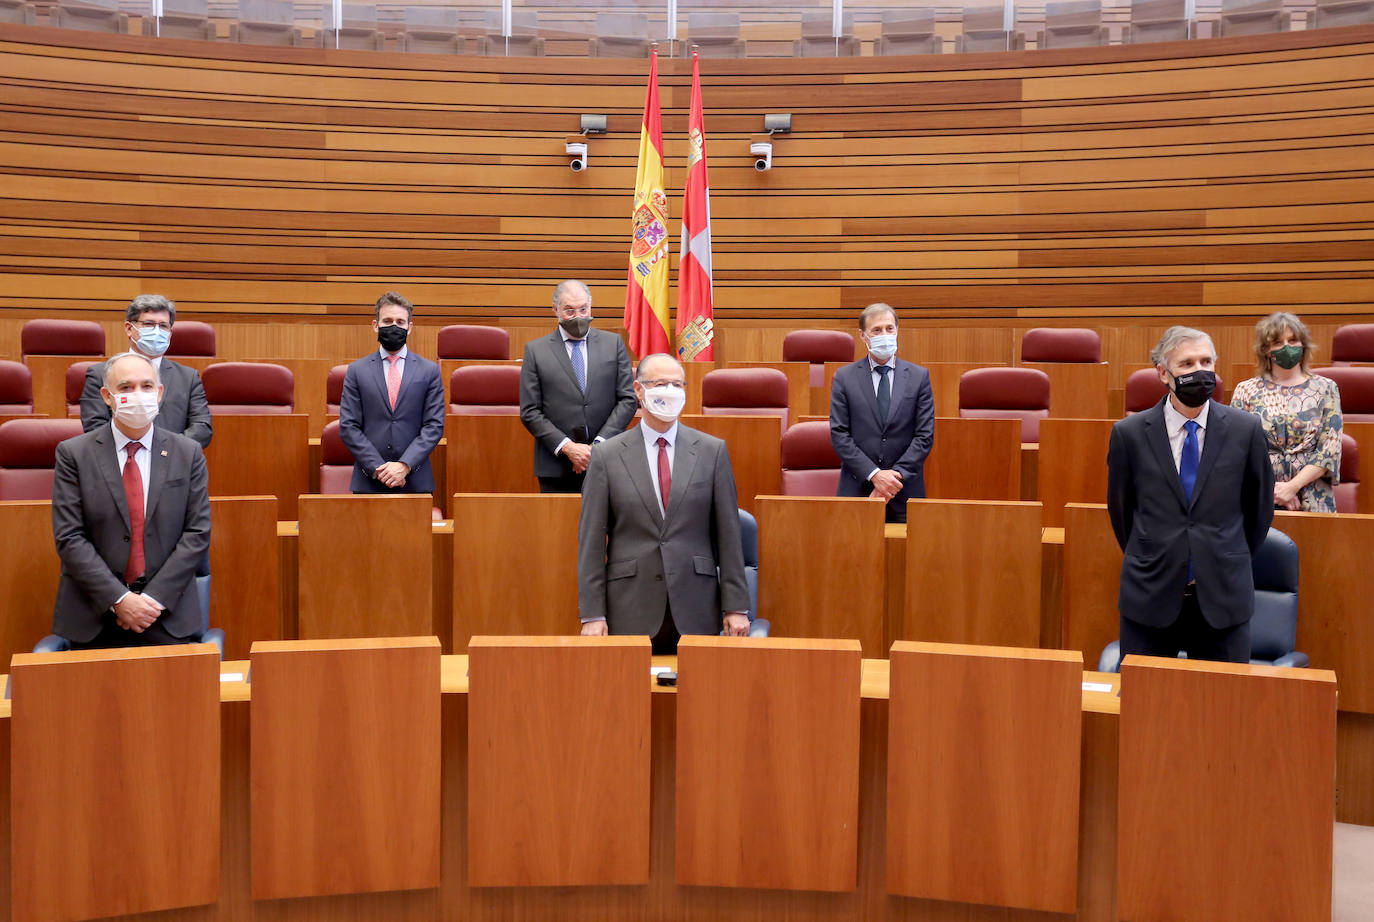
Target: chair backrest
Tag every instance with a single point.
(1144, 390)
(1348, 490)
(28, 453)
(16, 388)
(749, 541)
(1073, 24)
(1067, 344)
(1353, 342)
(249, 387)
(89, 16)
(810, 466)
(908, 32)
(192, 338)
(333, 389)
(470, 341)
(76, 384)
(432, 30)
(716, 34)
(352, 37)
(19, 12)
(1252, 17)
(1357, 391)
(62, 337)
(1335, 13)
(818, 37)
(620, 35)
(485, 389)
(818, 347)
(1157, 21)
(336, 461)
(1274, 626)
(1006, 393)
(747, 391)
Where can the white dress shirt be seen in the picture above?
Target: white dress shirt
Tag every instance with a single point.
(1174, 420)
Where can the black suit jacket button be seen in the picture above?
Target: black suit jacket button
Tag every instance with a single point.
(659, 577)
(126, 539)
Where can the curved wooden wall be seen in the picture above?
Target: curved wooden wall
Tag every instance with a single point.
(1124, 187)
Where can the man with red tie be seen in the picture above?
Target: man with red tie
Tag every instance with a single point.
(131, 518)
(391, 414)
(659, 549)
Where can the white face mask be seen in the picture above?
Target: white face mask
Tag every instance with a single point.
(664, 401)
(883, 345)
(135, 409)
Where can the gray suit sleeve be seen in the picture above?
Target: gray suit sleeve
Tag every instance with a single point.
(592, 531)
(625, 401)
(351, 426)
(734, 586)
(432, 427)
(176, 573)
(532, 401)
(94, 412)
(198, 426)
(80, 559)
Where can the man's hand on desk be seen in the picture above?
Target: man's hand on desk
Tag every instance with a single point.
(135, 613)
(594, 628)
(736, 625)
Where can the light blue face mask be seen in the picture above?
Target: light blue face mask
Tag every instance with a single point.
(153, 340)
(883, 345)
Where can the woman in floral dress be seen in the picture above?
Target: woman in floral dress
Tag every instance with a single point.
(1300, 413)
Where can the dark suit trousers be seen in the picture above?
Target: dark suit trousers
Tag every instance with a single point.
(567, 482)
(1190, 634)
(112, 635)
(665, 641)
(895, 511)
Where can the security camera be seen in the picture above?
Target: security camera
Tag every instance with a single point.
(578, 150)
(762, 152)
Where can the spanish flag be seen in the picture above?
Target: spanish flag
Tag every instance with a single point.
(695, 313)
(646, 295)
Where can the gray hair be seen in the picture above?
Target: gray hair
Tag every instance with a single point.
(1175, 337)
(110, 363)
(142, 304)
(872, 311)
(563, 287)
(639, 371)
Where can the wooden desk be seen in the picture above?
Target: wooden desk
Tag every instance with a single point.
(49, 373)
(975, 459)
(245, 598)
(754, 443)
(28, 580)
(1363, 434)
(1078, 390)
(261, 455)
(1091, 579)
(489, 454)
(1072, 464)
(944, 381)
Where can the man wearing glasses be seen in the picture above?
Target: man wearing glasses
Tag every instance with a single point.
(148, 324)
(575, 390)
(658, 544)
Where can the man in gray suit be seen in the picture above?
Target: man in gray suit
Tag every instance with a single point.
(659, 548)
(148, 324)
(131, 518)
(576, 390)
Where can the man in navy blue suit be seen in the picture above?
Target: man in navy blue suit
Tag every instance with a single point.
(1191, 494)
(392, 412)
(882, 418)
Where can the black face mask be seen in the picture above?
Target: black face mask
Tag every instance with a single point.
(1195, 388)
(392, 337)
(577, 327)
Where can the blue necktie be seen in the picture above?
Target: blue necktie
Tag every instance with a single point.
(884, 390)
(1187, 471)
(579, 364)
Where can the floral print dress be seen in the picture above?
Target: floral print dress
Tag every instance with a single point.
(1302, 425)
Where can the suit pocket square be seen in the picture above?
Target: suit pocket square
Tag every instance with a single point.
(704, 566)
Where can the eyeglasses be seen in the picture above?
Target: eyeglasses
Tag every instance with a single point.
(146, 325)
(664, 382)
(571, 312)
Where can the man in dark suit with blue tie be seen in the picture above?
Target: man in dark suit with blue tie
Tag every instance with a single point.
(882, 418)
(1191, 494)
(391, 414)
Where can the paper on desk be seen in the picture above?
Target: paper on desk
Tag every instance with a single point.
(231, 677)
(659, 670)
(1097, 686)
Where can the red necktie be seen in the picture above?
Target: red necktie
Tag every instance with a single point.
(665, 476)
(393, 379)
(133, 492)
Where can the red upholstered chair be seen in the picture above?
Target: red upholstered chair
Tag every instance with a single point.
(485, 389)
(1049, 344)
(818, 347)
(1357, 391)
(1144, 390)
(1006, 393)
(333, 389)
(62, 337)
(1348, 490)
(28, 453)
(1353, 343)
(249, 388)
(192, 338)
(474, 342)
(745, 392)
(810, 466)
(336, 461)
(76, 383)
(16, 388)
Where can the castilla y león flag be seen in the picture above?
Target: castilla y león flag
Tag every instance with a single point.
(646, 295)
(695, 315)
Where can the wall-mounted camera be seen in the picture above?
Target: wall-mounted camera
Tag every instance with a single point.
(578, 151)
(762, 152)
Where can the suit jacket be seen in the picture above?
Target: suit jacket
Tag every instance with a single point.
(90, 522)
(1223, 525)
(864, 442)
(183, 409)
(552, 406)
(633, 560)
(376, 434)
